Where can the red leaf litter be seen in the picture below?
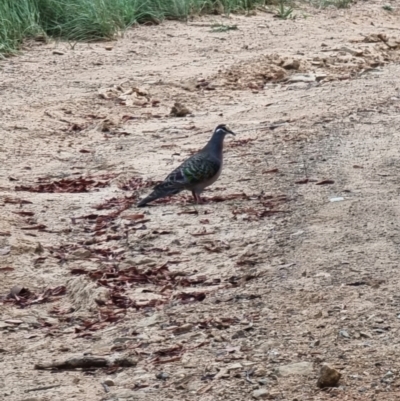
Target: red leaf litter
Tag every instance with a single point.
(23, 297)
(69, 185)
(119, 281)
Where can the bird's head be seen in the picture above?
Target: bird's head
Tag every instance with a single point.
(223, 130)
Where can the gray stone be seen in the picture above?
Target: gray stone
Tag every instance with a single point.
(260, 393)
(302, 78)
(300, 368)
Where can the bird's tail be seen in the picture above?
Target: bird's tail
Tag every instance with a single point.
(160, 191)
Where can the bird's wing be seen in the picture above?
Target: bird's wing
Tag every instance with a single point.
(195, 170)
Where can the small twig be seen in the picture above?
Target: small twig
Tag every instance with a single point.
(42, 388)
(106, 389)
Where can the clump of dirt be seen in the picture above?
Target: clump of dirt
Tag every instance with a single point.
(256, 73)
(339, 62)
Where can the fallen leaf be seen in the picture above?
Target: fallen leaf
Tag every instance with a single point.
(325, 182)
(36, 227)
(6, 269)
(203, 232)
(24, 213)
(303, 181)
(134, 216)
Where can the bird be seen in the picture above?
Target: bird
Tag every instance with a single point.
(197, 172)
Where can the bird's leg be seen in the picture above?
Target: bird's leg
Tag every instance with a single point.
(197, 198)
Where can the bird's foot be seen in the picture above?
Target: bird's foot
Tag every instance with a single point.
(197, 199)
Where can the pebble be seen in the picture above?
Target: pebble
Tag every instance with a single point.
(344, 333)
(109, 382)
(302, 78)
(328, 377)
(162, 376)
(183, 329)
(260, 393)
(300, 368)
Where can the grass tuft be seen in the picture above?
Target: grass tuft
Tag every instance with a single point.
(89, 20)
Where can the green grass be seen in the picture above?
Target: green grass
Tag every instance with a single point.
(18, 20)
(284, 10)
(89, 20)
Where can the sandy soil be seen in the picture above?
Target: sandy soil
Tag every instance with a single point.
(294, 257)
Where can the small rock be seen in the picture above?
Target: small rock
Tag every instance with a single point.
(344, 333)
(179, 110)
(320, 76)
(260, 393)
(291, 64)
(109, 48)
(302, 78)
(353, 52)
(388, 377)
(13, 321)
(328, 377)
(162, 376)
(300, 368)
(109, 382)
(58, 52)
(183, 329)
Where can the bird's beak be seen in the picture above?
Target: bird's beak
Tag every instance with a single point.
(229, 131)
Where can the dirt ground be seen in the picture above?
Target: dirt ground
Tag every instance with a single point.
(291, 264)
